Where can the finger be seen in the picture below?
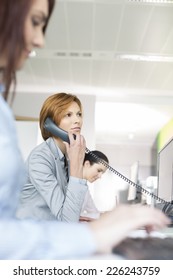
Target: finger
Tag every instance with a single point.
(72, 137)
(149, 229)
(66, 146)
(82, 141)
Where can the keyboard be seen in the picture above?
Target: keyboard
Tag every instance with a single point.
(168, 211)
(145, 248)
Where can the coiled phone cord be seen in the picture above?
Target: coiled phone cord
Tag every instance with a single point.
(50, 126)
(139, 188)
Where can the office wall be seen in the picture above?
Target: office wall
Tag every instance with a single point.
(121, 157)
(27, 136)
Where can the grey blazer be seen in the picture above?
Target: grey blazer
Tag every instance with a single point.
(46, 193)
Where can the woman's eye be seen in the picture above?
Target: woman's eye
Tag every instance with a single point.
(69, 115)
(80, 114)
(100, 171)
(36, 21)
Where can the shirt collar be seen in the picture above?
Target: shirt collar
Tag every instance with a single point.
(55, 149)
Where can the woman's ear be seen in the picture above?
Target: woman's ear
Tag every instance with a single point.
(87, 163)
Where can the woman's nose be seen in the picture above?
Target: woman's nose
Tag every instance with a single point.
(39, 40)
(77, 119)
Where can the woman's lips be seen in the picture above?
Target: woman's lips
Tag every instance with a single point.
(76, 129)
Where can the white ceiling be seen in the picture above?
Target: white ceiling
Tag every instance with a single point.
(85, 42)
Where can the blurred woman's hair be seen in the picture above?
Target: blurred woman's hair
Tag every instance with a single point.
(12, 41)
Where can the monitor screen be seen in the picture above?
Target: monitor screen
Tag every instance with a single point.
(165, 172)
(134, 170)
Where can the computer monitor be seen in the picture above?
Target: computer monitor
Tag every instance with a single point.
(165, 172)
(134, 173)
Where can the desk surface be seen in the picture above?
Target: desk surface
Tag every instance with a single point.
(165, 232)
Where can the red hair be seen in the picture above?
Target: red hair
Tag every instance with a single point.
(54, 107)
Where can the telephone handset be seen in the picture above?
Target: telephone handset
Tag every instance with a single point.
(50, 126)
